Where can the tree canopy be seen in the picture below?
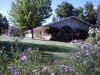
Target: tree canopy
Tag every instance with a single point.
(79, 12)
(90, 13)
(64, 9)
(98, 16)
(27, 14)
(3, 23)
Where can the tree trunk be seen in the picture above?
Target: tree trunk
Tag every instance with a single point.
(32, 33)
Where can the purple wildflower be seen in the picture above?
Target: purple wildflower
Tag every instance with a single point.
(21, 36)
(87, 52)
(9, 31)
(5, 54)
(16, 39)
(9, 34)
(23, 58)
(87, 45)
(56, 61)
(30, 63)
(77, 56)
(84, 62)
(98, 42)
(15, 29)
(9, 28)
(10, 67)
(29, 49)
(16, 73)
(63, 66)
(76, 41)
(82, 52)
(68, 69)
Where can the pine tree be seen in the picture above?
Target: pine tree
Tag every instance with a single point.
(64, 10)
(98, 16)
(3, 23)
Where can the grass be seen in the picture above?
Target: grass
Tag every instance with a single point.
(50, 48)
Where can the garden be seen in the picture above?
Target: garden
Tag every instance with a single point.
(24, 56)
(20, 55)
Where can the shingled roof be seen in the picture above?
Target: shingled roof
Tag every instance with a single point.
(64, 19)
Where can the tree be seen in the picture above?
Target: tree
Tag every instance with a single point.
(27, 14)
(64, 10)
(98, 16)
(79, 12)
(3, 23)
(90, 13)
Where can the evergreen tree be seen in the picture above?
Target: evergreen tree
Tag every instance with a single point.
(3, 24)
(64, 10)
(98, 16)
(79, 12)
(90, 13)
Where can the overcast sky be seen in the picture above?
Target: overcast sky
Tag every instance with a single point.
(5, 5)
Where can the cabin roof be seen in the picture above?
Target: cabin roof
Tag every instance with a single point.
(64, 19)
(67, 18)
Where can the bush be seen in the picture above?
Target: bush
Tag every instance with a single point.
(94, 35)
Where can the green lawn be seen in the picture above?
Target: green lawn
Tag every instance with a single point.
(51, 48)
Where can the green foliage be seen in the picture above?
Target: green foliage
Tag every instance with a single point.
(90, 13)
(64, 10)
(31, 60)
(98, 16)
(27, 14)
(3, 24)
(79, 12)
(86, 62)
(94, 35)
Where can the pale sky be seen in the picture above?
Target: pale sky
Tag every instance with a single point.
(5, 5)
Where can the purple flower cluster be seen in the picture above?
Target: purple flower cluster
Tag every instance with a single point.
(16, 38)
(98, 42)
(84, 62)
(66, 68)
(16, 73)
(29, 49)
(15, 29)
(86, 46)
(23, 58)
(21, 37)
(77, 56)
(10, 67)
(76, 41)
(84, 52)
(81, 53)
(9, 31)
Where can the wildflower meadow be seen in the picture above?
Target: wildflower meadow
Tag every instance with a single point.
(18, 59)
